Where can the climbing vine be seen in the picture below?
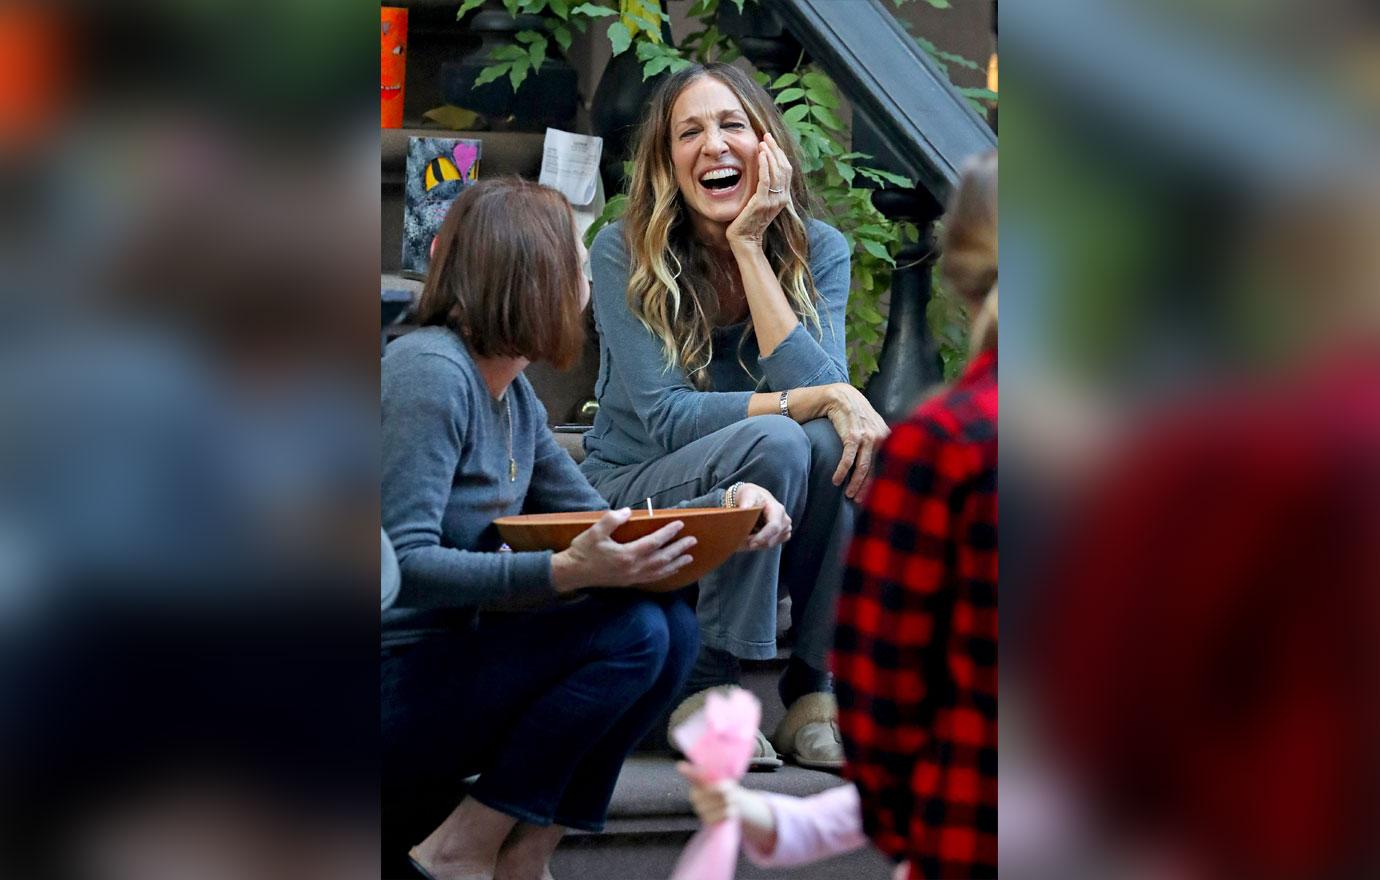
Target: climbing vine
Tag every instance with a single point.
(810, 104)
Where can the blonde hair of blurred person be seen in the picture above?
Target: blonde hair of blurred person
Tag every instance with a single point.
(968, 265)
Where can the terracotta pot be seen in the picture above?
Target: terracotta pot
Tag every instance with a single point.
(719, 532)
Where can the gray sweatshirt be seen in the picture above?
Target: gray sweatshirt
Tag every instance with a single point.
(445, 454)
(646, 411)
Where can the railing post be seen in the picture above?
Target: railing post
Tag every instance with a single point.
(909, 363)
(761, 37)
(548, 97)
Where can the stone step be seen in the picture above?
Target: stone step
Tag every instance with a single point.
(650, 821)
(652, 855)
(759, 677)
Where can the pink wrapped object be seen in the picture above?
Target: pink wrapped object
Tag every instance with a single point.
(719, 740)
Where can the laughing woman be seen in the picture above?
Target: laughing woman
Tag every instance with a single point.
(720, 309)
(487, 668)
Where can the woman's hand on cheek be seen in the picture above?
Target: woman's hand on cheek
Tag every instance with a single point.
(772, 194)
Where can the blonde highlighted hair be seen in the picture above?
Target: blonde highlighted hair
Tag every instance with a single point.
(968, 265)
(671, 282)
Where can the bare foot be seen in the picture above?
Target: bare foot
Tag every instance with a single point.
(526, 854)
(466, 845)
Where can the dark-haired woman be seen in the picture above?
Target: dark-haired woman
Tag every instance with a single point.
(487, 669)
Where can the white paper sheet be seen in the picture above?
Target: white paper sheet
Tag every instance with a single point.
(570, 163)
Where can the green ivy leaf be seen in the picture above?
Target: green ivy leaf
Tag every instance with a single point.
(878, 251)
(613, 209)
(514, 7)
(826, 117)
(593, 11)
(739, 4)
(796, 113)
(785, 79)
(790, 95)
(537, 52)
(703, 8)
(894, 179)
(824, 97)
(815, 80)
(518, 73)
(466, 7)
(491, 73)
(940, 56)
(679, 64)
(561, 34)
(938, 4)
(536, 47)
(655, 66)
(619, 37)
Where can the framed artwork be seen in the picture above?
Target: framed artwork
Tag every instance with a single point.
(438, 170)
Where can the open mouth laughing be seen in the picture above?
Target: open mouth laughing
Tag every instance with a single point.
(721, 181)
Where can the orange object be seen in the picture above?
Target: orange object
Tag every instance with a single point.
(36, 62)
(392, 65)
(719, 532)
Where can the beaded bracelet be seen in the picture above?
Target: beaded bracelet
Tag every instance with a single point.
(731, 496)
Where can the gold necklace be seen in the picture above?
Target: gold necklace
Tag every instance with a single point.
(512, 462)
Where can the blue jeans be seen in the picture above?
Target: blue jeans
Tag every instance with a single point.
(546, 705)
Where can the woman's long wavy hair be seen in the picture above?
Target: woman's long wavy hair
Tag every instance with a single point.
(673, 281)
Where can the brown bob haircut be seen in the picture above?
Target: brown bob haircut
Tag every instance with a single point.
(506, 274)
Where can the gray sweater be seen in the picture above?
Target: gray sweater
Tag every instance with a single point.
(446, 479)
(646, 411)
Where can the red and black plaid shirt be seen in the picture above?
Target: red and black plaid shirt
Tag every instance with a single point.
(915, 655)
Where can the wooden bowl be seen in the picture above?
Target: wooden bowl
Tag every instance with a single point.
(718, 531)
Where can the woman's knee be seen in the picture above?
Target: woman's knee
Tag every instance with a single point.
(637, 640)
(775, 445)
(683, 630)
(826, 448)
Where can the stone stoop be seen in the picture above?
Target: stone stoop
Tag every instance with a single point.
(650, 822)
(650, 818)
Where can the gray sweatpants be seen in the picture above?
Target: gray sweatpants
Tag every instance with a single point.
(737, 603)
